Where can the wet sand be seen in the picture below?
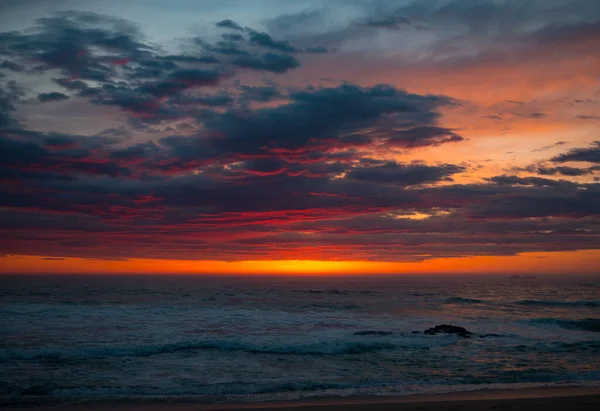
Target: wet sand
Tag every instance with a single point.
(552, 399)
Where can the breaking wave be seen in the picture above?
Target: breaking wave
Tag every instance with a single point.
(332, 306)
(460, 300)
(335, 347)
(554, 303)
(586, 324)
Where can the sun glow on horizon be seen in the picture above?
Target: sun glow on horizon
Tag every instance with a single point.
(588, 262)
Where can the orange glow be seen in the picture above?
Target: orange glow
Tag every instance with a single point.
(571, 262)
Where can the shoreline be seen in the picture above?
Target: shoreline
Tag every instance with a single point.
(528, 398)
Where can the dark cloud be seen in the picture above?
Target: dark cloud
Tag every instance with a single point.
(537, 115)
(59, 141)
(229, 24)
(276, 63)
(330, 118)
(181, 80)
(10, 94)
(263, 206)
(264, 40)
(531, 181)
(9, 65)
(58, 157)
(72, 84)
(140, 152)
(422, 137)
(563, 171)
(232, 37)
(584, 154)
(82, 45)
(259, 93)
(215, 100)
(109, 62)
(317, 50)
(273, 213)
(388, 22)
(404, 175)
(225, 48)
(53, 96)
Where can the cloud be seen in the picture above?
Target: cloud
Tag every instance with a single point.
(317, 50)
(229, 24)
(214, 100)
(9, 65)
(404, 174)
(331, 118)
(272, 214)
(300, 21)
(584, 154)
(388, 22)
(260, 93)
(422, 136)
(57, 158)
(276, 63)
(564, 171)
(544, 148)
(80, 44)
(181, 80)
(11, 93)
(53, 96)
(264, 40)
(110, 62)
(537, 115)
(531, 181)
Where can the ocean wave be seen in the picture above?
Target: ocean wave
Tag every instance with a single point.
(585, 324)
(461, 300)
(337, 292)
(554, 303)
(561, 347)
(332, 292)
(333, 347)
(579, 346)
(373, 332)
(332, 306)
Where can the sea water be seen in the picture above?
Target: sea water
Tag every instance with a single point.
(246, 339)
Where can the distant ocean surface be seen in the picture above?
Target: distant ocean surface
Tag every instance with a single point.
(245, 339)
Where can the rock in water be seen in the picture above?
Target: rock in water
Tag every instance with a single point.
(448, 329)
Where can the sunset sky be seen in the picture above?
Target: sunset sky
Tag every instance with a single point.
(269, 136)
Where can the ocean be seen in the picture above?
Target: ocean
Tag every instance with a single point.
(248, 339)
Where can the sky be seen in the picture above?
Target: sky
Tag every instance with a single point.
(341, 136)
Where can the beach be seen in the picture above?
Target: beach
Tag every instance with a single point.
(548, 399)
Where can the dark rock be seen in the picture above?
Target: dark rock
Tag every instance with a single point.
(416, 332)
(372, 333)
(448, 329)
(36, 390)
